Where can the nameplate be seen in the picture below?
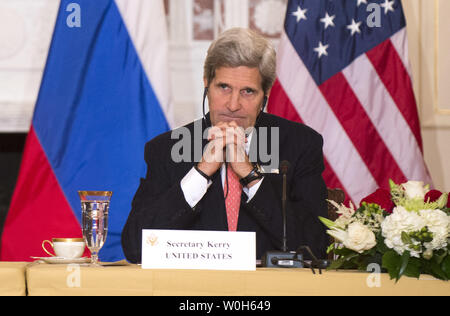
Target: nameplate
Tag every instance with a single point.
(204, 250)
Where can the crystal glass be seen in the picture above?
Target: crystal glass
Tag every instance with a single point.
(95, 207)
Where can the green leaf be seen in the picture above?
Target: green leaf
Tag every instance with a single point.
(391, 262)
(343, 260)
(440, 255)
(406, 239)
(331, 248)
(362, 261)
(344, 252)
(446, 266)
(336, 264)
(437, 271)
(442, 201)
(404, 263)
(413, 268)
(330, 224)
(381, 246)
(392, 184)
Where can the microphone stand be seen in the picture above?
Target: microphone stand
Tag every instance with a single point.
(283, 210)
(283, 258)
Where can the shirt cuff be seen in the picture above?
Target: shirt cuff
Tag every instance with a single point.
(250, 192)
(194, 187)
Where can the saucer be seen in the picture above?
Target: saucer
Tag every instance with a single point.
(62, 260)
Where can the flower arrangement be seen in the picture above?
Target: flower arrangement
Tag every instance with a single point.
(405, 229)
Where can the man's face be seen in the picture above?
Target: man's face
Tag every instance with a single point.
(235, 94)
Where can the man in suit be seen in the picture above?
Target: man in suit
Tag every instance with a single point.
(223, 188)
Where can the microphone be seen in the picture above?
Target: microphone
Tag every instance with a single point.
(283, 258)
(264, 103)
(284, 166)
(205, 94)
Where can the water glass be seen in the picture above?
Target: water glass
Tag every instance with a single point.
(94, 208)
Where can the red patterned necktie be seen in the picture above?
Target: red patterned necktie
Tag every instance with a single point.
(233, 200)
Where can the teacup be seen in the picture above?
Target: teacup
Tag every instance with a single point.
(70, 248)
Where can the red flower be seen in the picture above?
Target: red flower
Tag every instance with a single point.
(433, 195)
(381, 197)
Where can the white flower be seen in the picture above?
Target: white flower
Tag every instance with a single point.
(415, 189)
(438, 223)
(338, 234)
(428, 254)
(401, 221)
(358, 237)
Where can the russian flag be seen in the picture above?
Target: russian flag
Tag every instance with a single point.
(104, 93)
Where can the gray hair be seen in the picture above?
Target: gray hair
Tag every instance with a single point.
(242, 47)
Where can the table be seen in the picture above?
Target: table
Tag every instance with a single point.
(46, 279)
(12, 278)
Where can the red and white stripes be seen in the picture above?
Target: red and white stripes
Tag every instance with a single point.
(366, 114)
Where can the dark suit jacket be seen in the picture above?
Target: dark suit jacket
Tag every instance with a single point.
(159, 202)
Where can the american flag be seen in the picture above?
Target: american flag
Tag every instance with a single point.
(343, 69)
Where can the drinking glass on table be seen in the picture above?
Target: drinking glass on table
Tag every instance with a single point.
(94, 208)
